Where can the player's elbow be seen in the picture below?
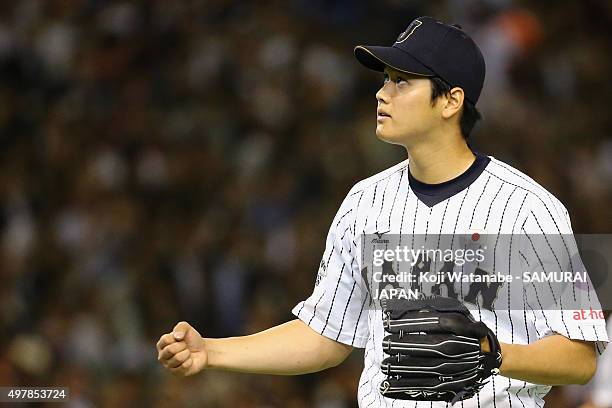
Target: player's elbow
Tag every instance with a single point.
(589, 369)
(334, 353)
(586, 361)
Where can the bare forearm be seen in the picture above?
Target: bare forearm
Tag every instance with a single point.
(552, 360)
(288, 349)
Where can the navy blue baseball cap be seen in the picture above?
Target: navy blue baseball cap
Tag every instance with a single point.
(429, 47)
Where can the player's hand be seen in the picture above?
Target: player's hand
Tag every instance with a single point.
(182, 351)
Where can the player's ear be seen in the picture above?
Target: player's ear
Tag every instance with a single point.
(454, 102)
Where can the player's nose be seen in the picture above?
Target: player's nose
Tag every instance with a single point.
(382, 96)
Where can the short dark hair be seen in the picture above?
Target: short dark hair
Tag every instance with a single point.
(470, 114)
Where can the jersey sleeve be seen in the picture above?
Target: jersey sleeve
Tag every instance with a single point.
(559, 291)
(336, 308)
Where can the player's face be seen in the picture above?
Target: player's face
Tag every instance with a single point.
(405, 112)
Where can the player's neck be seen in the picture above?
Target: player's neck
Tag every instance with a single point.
(437, 163)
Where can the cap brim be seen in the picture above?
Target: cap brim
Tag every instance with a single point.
(376, 58)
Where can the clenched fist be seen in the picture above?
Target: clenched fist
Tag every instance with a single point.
(182, 352)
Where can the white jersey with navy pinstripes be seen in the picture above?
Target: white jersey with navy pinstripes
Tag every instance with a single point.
(500, 200)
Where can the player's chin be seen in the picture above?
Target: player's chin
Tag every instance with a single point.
(386, 135)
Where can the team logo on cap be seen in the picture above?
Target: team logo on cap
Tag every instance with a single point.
(411, 29)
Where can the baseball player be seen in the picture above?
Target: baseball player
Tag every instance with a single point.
(429, 354)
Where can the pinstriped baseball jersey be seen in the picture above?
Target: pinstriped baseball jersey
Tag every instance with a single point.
(490, 196)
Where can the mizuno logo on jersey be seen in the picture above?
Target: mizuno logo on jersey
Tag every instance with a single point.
(322, 272)
(379, 239)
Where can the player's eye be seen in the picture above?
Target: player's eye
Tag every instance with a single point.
(399, 80)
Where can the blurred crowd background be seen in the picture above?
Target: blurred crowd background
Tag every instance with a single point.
(182, 160)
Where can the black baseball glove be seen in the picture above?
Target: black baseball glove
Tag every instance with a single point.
(434, 351)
